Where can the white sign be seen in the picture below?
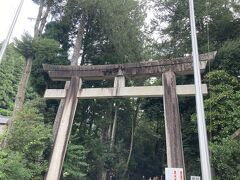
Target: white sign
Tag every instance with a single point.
(195, 177)
(174, 173)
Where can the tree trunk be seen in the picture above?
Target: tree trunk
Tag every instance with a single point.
(114, 127)
(22, 87)
(38, 20)
(44, 20)
(106, 137)
(104, 175)
(134, 119)
(74, 61)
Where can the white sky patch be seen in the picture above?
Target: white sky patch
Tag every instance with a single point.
(154, 33)
(26, 19)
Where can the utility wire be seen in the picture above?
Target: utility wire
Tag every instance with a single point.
(5, 44)
(209, 70)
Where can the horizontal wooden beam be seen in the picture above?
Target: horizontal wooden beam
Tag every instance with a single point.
(181, 66)
(123, 92)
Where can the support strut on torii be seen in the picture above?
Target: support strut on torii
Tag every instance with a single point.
(170, 91)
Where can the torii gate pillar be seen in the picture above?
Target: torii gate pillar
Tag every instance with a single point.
(64, 131)
(172, 122)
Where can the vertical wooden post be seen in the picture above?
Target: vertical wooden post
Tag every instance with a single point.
(119, 81)
(64, 131)
(172, 122)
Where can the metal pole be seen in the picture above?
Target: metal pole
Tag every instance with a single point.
(202, 133)
(4, 47)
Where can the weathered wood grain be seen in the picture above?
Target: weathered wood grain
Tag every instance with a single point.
(123, 92)
(64, 131)
(172, 122)
(140, 69)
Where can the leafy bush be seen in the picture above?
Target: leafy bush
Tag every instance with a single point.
(31, 137)
(12, 166)
(226, 159)
(75, 166)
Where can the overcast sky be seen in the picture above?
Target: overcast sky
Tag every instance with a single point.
(7, 12)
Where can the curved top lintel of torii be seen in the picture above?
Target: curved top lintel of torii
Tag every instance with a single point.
(181, 66)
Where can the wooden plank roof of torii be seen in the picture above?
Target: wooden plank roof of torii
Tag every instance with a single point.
(181, 66)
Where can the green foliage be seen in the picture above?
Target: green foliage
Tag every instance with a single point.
(226, 159)
(223, 118)
(57, 31)
(31, 94)
(225, 108)
(25, 46)
(31, 137)
(149, 151)
(46, 51)
(228, 57)
(214, 20)
(121, 21)
(13, 166)
(75, 166)
(112, 31)
(10, 73)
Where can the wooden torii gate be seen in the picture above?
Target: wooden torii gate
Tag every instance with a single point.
(170, 92)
